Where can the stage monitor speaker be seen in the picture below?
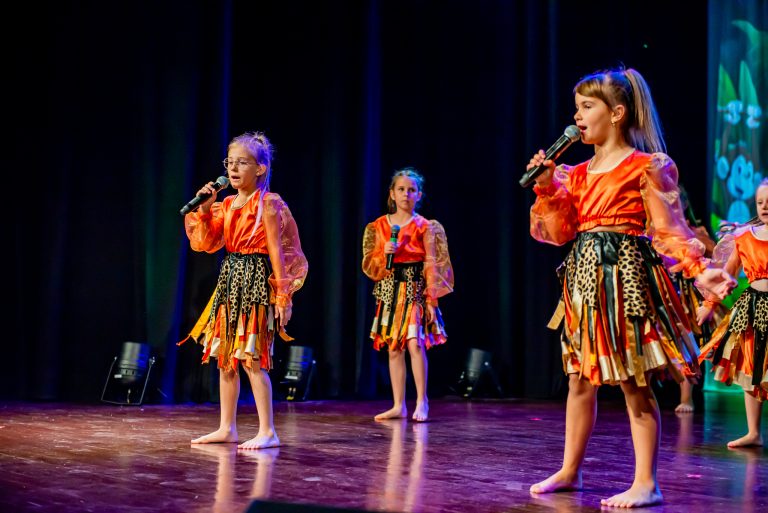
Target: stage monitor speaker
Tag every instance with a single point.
(259, 506)
(128, 375)
(477, 372)
(299, 371)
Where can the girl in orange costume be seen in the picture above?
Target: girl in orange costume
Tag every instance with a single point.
(737, 349)
(622, 316)
(407, 314)
(263, 267)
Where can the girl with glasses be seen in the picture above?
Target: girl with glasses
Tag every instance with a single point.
(264, 266)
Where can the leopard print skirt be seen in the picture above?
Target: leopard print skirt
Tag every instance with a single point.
(401, 311)
(621, 315)
(737, 349)
(241, 322)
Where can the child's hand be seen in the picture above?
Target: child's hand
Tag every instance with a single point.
(390, 247)
(702, 314)
(430, 313)
(208, 188)
(545, 178)
(283, 314)
(715, 282)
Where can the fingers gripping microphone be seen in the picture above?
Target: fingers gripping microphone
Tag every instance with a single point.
(219, 184)
(570, 136)
(392, 238)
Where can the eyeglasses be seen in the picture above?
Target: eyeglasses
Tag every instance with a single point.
(232, 163)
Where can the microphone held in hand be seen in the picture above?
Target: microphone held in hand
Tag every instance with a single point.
(570, 136)
(219, 184)
(393, 239)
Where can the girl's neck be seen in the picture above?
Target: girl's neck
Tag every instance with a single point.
(761, 231)
(243, 196)
(401, 216)
(609, 154)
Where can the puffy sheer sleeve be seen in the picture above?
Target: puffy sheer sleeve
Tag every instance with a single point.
(725, 256)
(374, 261)
(666, 223)
(206, 231)
(438, 270)
(554, 218)
(289, 265)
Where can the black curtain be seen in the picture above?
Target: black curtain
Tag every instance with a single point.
(122, 110)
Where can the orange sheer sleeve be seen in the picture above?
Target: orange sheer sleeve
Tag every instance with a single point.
(725, 256)
(289, 265)
(374, 260)
(206, 231)
(438, 270)
(553, 215)
(666, 223)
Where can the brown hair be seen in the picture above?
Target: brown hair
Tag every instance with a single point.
(640, 127)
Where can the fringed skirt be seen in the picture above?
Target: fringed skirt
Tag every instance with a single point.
(691, 299)
(400, 311)
(621, 314)
(239, 323)
(737, 348)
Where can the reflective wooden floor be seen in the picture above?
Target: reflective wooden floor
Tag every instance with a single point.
(471, 457)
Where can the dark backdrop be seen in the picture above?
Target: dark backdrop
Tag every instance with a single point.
(119, 111)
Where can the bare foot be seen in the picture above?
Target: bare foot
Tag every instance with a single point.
(637, 496)
(560, 481)
(748, 440)
(397, 412)
(261, 442)
(686, 407)
(220, 436)
(421, 413)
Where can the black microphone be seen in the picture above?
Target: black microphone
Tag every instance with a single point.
(570, 136)
(392, 238)
(219, 184)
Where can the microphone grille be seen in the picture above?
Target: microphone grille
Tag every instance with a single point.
(573, 133)
(395, 229)
(222, 181)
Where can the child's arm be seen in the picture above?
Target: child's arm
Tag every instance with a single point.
(554, 219)
(374, 260)
(289, 265)
(438, 271)
(724, 255)
(206, 230)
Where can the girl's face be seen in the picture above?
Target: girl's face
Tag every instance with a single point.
(593, 117)
(405, 193)
(243, 171)
(761, 201)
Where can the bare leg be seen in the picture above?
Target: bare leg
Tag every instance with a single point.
(420, 368)
(262, 393)
(229, 391)
(645, 422)
(397, 376)
(686, 399)
(580, 413)
(753, 438)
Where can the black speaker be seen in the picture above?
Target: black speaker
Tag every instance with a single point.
(259, 506)
(299, 371)
(128, 375)
(477, 372)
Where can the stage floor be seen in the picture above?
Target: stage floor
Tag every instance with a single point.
(476, 456)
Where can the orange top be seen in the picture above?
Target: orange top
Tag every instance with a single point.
(419, 240)
(743, 248)
(275, 234)
(640, 191)
(609, 198)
